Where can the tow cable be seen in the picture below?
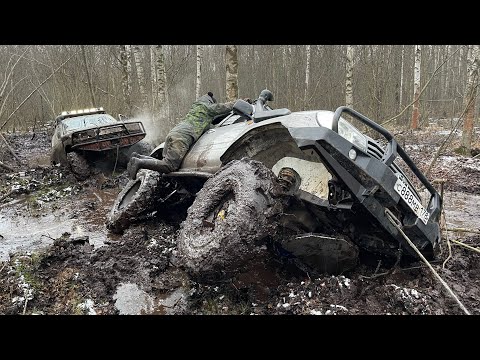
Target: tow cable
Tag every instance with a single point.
(393, 219)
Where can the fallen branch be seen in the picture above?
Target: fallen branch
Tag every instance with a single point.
(464, 230)
(7, 195)
(465, 245)
(5, 166)
(34, 91)
(396, 223)
(10, 148)
(424, 87)
(449, 136)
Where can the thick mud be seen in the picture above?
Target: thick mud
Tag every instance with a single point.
(57, 256)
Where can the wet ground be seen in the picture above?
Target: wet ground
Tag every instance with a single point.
(56, 256)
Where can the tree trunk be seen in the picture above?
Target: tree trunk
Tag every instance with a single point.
(401, 78)
(125, 60)
(349, 77)
(139, 60)
(92, 93)
(231, 61)
(416, 87)
(470, 96)
(307, 75)
(199, 71)
(159, 75)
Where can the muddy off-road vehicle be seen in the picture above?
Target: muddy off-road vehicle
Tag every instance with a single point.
(310, 180)
(83, 137)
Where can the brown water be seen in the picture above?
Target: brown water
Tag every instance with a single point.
(462, 210)
(23, 228)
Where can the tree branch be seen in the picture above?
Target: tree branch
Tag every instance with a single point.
(34, 91)
(424, 87)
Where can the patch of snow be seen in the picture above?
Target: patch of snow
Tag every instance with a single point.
(315, 312)
(87, 305)
(338, 307)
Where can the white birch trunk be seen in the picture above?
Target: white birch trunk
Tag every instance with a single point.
(307, 75)
(470, 96)
(401, 77)
(231, 62)
(199, 71)
(126, 64)
(416, 86)
(159, 75)
(349, 77)
(139, 60)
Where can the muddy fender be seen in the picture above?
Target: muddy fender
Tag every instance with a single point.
(235, 209)
(137, 197)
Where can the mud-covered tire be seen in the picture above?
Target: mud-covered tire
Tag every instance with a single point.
(212, 244)
(136, 198)
(78, 165)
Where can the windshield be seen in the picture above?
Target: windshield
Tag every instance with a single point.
(87, 121)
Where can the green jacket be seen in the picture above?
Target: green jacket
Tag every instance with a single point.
(203, 112)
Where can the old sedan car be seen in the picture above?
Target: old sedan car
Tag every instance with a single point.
(321, 188)
(84, 136)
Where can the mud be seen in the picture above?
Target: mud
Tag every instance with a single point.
(58, 258)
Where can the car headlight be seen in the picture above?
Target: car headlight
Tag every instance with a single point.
(352, 134)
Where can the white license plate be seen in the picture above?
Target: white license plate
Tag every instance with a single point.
(403, 190)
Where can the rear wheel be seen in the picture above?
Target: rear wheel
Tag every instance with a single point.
(235, 209)
(136, 198)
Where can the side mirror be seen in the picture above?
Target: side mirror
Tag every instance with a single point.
(241, 107)
(122, 117)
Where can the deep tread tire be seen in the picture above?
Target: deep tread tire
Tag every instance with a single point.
(136, 198)
(78, 165)
(211, 246)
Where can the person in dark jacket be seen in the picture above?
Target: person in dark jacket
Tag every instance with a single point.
(182, 136)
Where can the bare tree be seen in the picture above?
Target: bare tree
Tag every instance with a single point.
(401, 77)
(349, 77)
(416, 87)
(125, 59)
(139, 60)
(307, 74)
(231, 62)
(199, 71)
(159, 76)
(470, 96)
(89, 79)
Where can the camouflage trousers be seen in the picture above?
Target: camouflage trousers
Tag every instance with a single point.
(178, 142)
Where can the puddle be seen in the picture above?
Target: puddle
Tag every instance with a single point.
(26, 229)
(131, 300)
(461, 209)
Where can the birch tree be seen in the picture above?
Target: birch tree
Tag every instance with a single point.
(307, 74)
(349, 77)
(231, 62)
(159, 83)
(416, 87)
(139, 60)
(401, 78)
(199, 70)
(125, 60)
(470, 96)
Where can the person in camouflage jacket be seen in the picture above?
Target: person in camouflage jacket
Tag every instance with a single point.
(182, 136)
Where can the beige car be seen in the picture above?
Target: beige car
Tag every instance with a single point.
(84, 136)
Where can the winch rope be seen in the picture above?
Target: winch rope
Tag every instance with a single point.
(396, 223)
